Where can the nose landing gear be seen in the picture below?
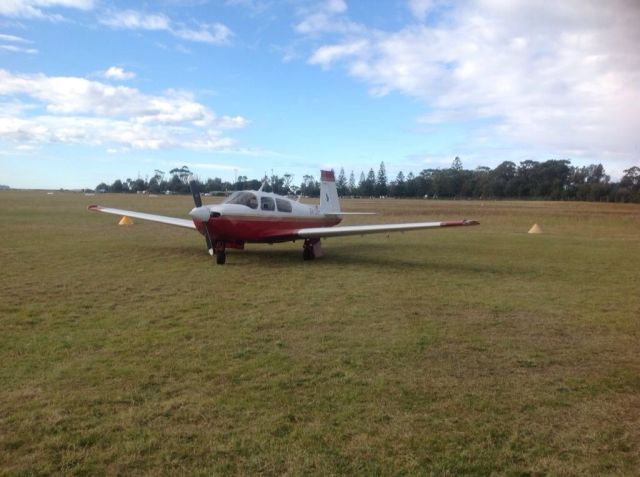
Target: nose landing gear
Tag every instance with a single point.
(220, 253)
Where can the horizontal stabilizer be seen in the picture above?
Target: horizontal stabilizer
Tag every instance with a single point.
(350, 213)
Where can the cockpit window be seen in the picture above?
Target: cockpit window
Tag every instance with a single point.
(243, 198)
(283, 205)
(266, 203)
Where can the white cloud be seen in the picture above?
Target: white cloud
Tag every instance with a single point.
(134, 20)
(34, 8)
(18, 49)
(73, 110)
(420, 8)
(561, 78)
(216, 34)
(117, 73)
(336, 6)
(12, 39)
(326, 17)
(325, 55)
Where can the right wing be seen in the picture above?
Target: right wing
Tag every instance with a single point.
(321, 232)
(163, 219)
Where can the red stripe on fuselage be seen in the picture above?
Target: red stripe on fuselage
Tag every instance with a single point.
(254, 228)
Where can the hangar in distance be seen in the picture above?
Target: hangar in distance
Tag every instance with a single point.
(262, 217)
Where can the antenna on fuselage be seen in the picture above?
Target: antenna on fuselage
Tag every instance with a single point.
(264, 182)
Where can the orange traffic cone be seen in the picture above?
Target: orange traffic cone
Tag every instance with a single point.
(535, 229)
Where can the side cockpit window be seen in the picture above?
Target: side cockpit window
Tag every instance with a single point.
(266, 203)
(244, 198)
(283, 205)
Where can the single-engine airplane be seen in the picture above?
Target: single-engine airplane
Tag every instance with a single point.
(263, 217)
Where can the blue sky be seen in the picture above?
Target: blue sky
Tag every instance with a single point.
(93, 90)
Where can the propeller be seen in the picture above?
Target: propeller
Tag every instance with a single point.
(203, 214)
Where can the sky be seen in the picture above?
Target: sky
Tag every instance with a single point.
(94, 90)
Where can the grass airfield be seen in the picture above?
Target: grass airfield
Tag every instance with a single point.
(483, 350)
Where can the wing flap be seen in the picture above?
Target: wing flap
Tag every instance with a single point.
(163, 219)
(323, 232)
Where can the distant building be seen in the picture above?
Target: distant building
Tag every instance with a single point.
(4, 187)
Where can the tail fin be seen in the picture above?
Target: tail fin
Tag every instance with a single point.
(329, 202)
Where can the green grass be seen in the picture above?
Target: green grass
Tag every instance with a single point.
(126, 350)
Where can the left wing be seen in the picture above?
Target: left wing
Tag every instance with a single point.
(320, 232)
(163, 219)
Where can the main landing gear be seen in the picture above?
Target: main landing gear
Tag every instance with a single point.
(311, 249)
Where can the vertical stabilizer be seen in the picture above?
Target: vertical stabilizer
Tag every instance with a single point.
(329, 202)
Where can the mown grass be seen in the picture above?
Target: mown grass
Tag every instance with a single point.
(125, 350)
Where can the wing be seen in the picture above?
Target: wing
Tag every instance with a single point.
(319, 232)
(141, 215)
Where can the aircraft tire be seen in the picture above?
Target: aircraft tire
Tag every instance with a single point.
(221, 257)
(307, 254)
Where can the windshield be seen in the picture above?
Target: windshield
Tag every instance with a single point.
(243, 198)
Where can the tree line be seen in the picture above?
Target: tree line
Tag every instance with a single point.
(554, 179)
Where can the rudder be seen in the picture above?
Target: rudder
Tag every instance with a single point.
(329, 201)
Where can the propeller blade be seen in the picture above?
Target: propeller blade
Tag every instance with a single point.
(195, 192)
(203, 214)
(207, 239)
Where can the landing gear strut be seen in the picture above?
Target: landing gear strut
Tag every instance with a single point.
(311, 249)
(219, 252)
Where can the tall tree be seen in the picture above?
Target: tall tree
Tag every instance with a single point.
(399, 186)
(352, 183)
(503, 180)
(362, 184)
(102, 187)
(158, 175)
(117, 186)
(309, 187)
(183, 173)
(341, 183)
(411, 186)
(370, 184)
(381, 181)
(286, 186)
(631, 178)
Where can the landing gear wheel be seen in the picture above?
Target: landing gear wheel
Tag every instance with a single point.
(221, 257)
(307, 253)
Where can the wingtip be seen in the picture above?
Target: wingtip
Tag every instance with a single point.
(456, 223)
(93, 207)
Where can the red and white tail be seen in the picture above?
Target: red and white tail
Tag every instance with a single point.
(329, 202)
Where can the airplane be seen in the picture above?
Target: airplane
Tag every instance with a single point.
(263, 217)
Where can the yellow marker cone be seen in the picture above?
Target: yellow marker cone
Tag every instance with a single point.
(535, 229)
(125, 221)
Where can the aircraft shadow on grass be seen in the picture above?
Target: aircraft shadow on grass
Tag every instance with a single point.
(369, 256)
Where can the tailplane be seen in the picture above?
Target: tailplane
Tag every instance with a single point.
(329, 202)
